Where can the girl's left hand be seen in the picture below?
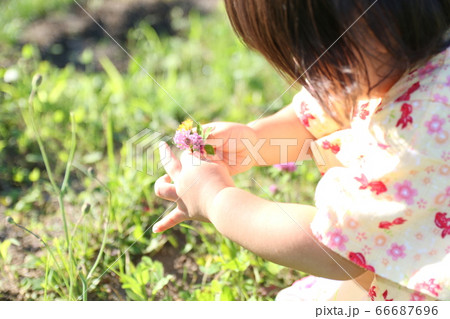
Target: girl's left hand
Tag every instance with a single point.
(195, 184)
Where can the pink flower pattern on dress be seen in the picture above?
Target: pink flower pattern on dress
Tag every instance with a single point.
(422, 203)
(405, 192)
(407, 133)
(334, 147)
(407, 95)
(337, 239)
(445, 156)
(428, 68)
(366, 250)
(440, 98)
(377, 187)
(387, 224)
(431, 286)
(361, 236)
(417, 296)
(405, 117)
(385, 296)
(435, 124)
(448, 82)
(360, 260)
(396, 251)
(304, 115)
(362, 111)
(372, 293)
(442, 222)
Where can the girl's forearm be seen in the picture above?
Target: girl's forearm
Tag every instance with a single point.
(277, 232)
(283, 134)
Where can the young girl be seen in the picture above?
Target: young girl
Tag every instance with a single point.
(375, 99)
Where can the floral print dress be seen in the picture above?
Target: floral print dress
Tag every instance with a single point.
(384, 199)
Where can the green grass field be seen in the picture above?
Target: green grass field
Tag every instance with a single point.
(109, 248)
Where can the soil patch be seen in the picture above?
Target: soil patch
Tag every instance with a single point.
(62, 37)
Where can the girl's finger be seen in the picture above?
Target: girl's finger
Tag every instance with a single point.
(170, 162)
(171, 219)
(187, 159)
(164, 189)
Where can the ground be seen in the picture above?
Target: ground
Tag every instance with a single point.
(89, 76)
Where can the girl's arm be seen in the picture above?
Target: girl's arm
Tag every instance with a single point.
(276, 139)
(280, 131)
(278, 232)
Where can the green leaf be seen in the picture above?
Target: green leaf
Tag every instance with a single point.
(227, 294)
(161, 283)
(273, 268)
(116, 80)
(34, 175)
(4, 249)
(87, 56)
(28, 51)
(209, 149)
(92, 157)
(236, 265)
(173, 241)
(138, 233)
(207, 132)
(211, 270)
(145, 277)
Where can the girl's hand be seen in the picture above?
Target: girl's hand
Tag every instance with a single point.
(191, 183)
(232, 142)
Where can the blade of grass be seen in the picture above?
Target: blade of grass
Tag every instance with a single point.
(47, 266)
(106, 224)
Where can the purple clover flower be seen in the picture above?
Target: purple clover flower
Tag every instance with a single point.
(188, 140)
(273, 188)
(288, 167)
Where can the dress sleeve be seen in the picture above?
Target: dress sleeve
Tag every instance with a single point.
(312, 115)
(390, 214)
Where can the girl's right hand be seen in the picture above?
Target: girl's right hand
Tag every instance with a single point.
(232, 143)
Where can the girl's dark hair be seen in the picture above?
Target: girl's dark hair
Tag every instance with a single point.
(294, 34)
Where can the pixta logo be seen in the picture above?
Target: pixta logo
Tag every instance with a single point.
(142, 149)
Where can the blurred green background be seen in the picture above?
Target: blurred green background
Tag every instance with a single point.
(190, 50)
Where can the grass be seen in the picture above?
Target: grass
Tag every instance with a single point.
(92, 210)
(17, 14)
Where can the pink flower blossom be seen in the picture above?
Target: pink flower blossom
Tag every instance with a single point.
(273, 188)
(288, 167)
(366, 250)
(337, 239)
(440, 98)
(435, 124)
(396, 251)
(445, 156)
(405, 192)
(188, 140)
(361, 236)
(430, 286)
(422, 203)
